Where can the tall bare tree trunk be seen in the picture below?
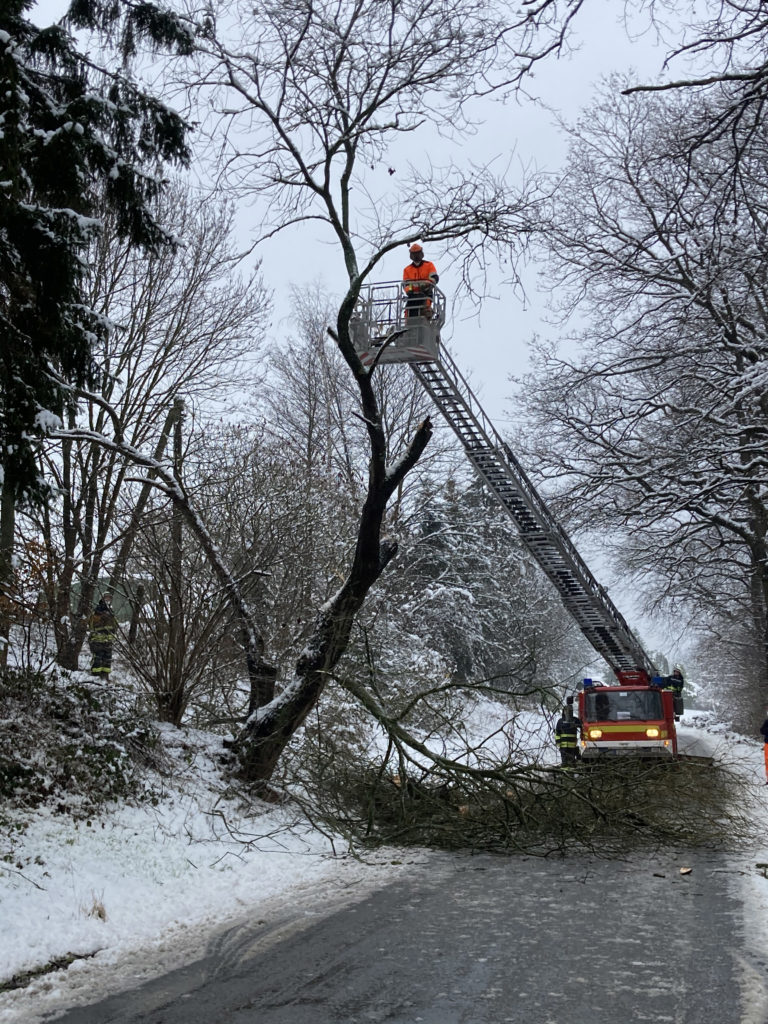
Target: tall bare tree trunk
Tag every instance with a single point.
(758, 585)
(137, 600)
(174, 697)
(266, 733)
(175, 414)
(67, 645)
(7, 530)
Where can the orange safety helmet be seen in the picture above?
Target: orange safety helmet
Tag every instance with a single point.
(415, 247)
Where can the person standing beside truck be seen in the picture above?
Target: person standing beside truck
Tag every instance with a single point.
(675, 684)
(676, 681)
(567, 735)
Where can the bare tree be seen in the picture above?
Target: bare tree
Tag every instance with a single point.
(729, 34)
(310, 99)
(313, 421)
(659, 429)
(723, 47)
(7, 529)
(182, 325)
(186, 653)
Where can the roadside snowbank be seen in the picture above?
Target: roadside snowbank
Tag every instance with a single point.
(139, 891)
(748, 869)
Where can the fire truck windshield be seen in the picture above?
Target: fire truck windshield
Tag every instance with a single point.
(622, 705)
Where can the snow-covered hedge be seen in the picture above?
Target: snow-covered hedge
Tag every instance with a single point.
(66, 742)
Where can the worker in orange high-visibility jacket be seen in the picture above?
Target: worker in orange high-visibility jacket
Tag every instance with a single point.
(764, 734)
(419, 279)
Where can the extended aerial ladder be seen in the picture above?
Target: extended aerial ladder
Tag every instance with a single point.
(382, 333)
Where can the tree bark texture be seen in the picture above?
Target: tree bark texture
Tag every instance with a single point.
(7, 534)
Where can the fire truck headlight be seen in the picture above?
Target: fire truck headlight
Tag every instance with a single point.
(595, 734)
(652, 733)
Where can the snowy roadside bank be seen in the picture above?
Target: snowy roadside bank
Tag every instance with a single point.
(747, 869)
(133, 892)
(141, 890)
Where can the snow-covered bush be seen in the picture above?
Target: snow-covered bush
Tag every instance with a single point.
(67, 742)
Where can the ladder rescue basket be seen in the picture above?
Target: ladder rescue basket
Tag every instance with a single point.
(385, 327)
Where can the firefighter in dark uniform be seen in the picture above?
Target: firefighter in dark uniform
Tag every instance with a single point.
(102, 628)
(675, 684)
(567, 734)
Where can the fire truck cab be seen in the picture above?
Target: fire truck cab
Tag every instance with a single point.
(627, 719)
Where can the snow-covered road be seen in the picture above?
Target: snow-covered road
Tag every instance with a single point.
(479, 939)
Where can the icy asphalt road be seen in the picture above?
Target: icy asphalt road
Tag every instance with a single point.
(480, 940)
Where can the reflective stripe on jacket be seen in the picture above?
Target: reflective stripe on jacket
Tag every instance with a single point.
(567, 734)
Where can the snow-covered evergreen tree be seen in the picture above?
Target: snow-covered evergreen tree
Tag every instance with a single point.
(69, 128)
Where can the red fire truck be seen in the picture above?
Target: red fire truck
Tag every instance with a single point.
(627, 719)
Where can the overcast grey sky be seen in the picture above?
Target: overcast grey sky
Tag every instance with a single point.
(490, 343)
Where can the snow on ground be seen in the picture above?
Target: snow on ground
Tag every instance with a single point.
(492, 733)
(487, 733)
(143, 889)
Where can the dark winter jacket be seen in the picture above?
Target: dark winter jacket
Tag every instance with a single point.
(567, 733)
(674, 682)
(102, 625)
(764, 731)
